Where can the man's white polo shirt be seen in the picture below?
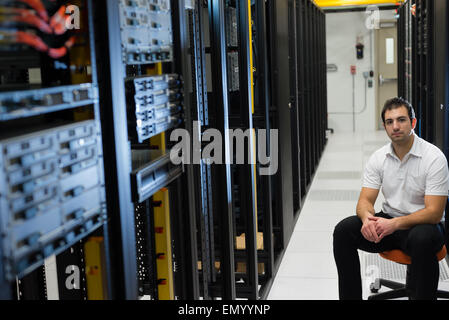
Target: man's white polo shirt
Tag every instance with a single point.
(423, 171)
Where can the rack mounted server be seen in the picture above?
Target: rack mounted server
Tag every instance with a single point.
(146, 31)
(154, 105)
(51, 192)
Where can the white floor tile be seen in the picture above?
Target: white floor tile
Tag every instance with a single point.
(328, 208)
(317, 223)
(288, 288)
(327, 184)
(336, 156)
(308, 265)
(330, 165)
(310, 241)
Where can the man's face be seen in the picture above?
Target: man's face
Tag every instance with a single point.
(398, 124)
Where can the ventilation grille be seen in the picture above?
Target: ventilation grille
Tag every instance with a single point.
(373, 264)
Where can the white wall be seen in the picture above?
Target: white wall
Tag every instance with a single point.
(342, 32)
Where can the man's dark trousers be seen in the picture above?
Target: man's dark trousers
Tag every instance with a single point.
(421, 243)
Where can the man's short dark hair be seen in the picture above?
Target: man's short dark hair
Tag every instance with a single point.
(398, 102)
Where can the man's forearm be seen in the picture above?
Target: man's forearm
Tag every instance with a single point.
(423, 216)
(364, 210)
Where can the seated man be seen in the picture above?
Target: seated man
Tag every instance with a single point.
(413, 175)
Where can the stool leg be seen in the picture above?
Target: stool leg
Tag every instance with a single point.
(391, 284)
(442, 294)
(393, 294)
(399, 290)
(410, 285)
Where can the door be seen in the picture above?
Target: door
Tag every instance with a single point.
(386, 67)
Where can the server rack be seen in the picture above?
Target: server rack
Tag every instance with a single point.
(282, 181)
(296, 162)
(312, 87)
(246, 173)
(263, 121)
(422, 81)
(185, 43)
(52, 190)
(423, 36)
(252, 217)
(429, 48)
(405, 38)
(215, 199)
(144, 86)
(441, 75)
(298, 109)
(424, 78)
(231, 250)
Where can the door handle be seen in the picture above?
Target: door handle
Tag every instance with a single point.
(383, 80)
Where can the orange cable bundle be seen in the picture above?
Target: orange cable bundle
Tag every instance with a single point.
(32, 40)
(28, 17)
(57, 25)
(38, 6)
(58, 21)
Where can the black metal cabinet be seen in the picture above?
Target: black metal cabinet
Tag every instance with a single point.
(423, 66)
(280, 88)
(297, 62)
(142, 105)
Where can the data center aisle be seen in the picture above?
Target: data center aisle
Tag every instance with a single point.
(307, 270)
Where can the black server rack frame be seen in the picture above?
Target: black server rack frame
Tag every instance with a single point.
(428, 88)
(136, 171)
(294, 105)
(262, 120)
(246, 173)
(203, 173)
(123, 280)
(304, 177)
(429, 83)
(222, 186)
(440, 75)
(280, 98)
(221, 283)
(423, 51)
(405, 65)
